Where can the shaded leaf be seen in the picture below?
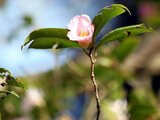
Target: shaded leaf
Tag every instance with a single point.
(46, 43)
(47, 37)
(9, 92)
(141, 111)
(125, 48)
(123, 32)
(141, 105)
(106, 14)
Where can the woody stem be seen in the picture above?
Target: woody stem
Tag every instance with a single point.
(95, 84)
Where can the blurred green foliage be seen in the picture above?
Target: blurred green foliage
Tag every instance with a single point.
(9, 86)
(66, 82)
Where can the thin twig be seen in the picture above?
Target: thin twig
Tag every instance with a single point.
(95, 84)
(93, 60)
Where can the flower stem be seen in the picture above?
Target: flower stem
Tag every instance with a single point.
(95, 84)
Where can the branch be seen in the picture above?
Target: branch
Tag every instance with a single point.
(95, 84)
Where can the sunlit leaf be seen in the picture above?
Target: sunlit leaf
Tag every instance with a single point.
(14, 82)
(106, 14)
(9, 79)
(3, 70)
(45, 38)
(123, 32)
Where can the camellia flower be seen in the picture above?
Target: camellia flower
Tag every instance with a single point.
(81, 30)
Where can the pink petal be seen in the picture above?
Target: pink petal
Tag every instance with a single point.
(91, 29)
(72, 36)
(86, 17)
(74, 22)
(80, 24)
(84, 22)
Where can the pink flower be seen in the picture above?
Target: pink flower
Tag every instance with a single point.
(81, 30)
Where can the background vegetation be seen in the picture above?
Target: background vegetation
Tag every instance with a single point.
(127, 73)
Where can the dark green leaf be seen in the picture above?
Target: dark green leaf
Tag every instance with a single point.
(47, 37)
(123, 32)
(106, 14)
(46, 43)
(9, 92)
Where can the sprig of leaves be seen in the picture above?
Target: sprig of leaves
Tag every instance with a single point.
(9, 81)
(123, 32)
(105, 15)
(46, 38)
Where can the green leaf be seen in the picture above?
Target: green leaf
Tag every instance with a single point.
(9, 79)
(106, 14)
(125, 48)
(141, 111)
(9, 92)
(123, 32)
(45, 38)
(14, 82)
(46, 43)
(3, 70)
(141, 105)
